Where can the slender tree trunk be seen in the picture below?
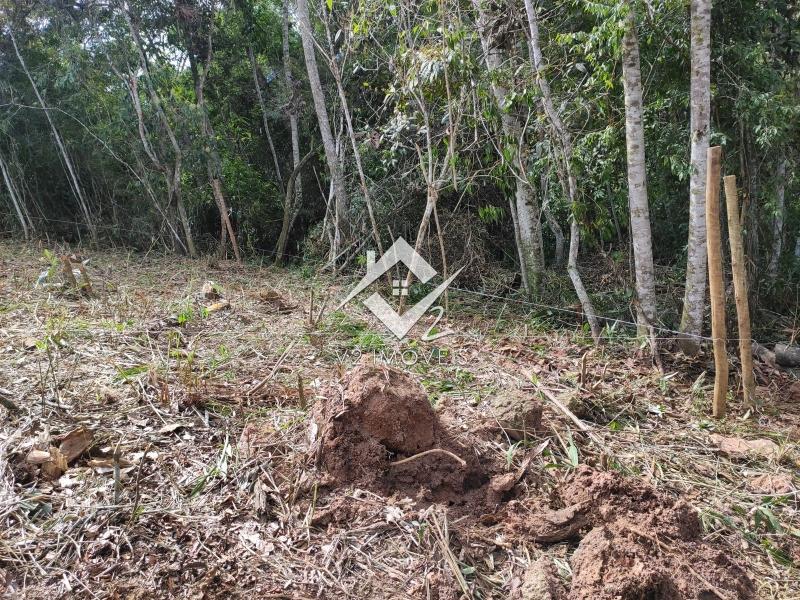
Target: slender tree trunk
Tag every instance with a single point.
(700, 99)
(263, 105)
(213, 161)
(337, 76)
(291, 205)
(637, 179)
(286, 225)
(777, 223)
(16, 199)
(552, 223)
(563, 141)
(518, 242)
(342, 225)
(558, 234)
(528, 222)
(72, 173)
(172, 174)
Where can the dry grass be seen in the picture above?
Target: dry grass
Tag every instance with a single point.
(172, 500)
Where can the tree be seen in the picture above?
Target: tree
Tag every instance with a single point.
(197, 25)
(291, 204)
(563, 160)
(17, 201)
(172, 171)
(778, 222)
(341, 202)
(700, 104)
(72, 172)
(637, 178)
(525, 208)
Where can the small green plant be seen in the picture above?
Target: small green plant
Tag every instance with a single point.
(185, 315)
(511, 452)
(129, 373)
(218, 470)
(368, 341)
(52, 263)
(663, 382)
(572, 452)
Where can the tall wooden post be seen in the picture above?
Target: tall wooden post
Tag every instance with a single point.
(716, 282)
(740, 290)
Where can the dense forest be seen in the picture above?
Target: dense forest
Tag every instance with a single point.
(544, 134)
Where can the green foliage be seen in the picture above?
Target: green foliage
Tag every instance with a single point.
(424, 114)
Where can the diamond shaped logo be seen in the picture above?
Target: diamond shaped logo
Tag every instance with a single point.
(402, 252)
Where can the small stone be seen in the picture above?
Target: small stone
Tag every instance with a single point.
(518, 414)
(772, 483)
(735, 447)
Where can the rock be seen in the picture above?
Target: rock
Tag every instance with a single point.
(772, 483)
(502, 483)
(541, 582)
(735, 447)
(518, 414)
(787, 355)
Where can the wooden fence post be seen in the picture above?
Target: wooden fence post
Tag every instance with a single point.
(716, 282)
(740, 290)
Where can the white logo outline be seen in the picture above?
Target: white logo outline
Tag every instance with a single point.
(398, 324)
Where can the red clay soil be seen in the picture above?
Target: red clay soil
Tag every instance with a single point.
(380, 416)
(641, 544)
(633, 542)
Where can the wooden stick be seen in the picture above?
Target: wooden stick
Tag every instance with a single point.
(278, 364)
(458, 459)
(716, 283)
(740, 290)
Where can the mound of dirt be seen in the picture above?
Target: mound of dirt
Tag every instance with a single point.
(607, 496)
(641, 543)
(378, 429)
(624, 561)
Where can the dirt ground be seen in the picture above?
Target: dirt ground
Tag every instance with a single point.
(167, 437)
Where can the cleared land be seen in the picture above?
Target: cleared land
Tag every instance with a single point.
(160, 439)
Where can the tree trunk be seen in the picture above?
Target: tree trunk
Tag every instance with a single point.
(16, 199)
(637, 179)
(263, 105)
(72, 173)
(173, 173)
(563, 142)
(700, 100)
(337, 76)
(287, 217)
(291, 205)
(334, 164)
(528, 221)
(777, 223)
(518, 242)
(213, 161)
(552, 223)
